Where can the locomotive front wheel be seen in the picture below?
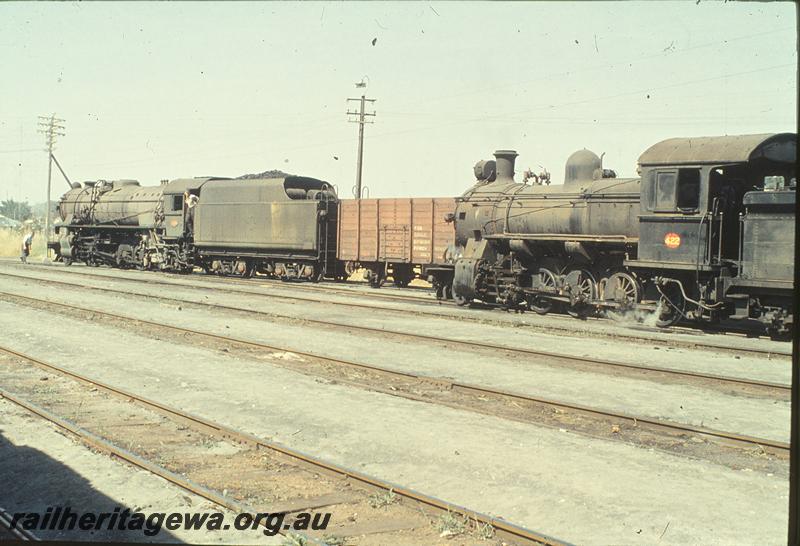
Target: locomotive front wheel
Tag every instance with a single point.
(447, 292)
(461, 301)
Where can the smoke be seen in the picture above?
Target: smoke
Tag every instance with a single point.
(636, 316)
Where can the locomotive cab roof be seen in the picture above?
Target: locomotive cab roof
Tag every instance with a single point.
(720, 150)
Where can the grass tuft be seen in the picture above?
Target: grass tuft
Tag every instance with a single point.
(381, 499)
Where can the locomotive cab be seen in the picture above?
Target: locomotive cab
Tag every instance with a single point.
(174, 207)
(692, 191)
(693, 194)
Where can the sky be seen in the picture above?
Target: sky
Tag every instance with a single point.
(153, 91)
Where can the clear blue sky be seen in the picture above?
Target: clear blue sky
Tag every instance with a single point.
(165, 90)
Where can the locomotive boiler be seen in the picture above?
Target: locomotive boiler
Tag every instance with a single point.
(522, 238)
(115, 223)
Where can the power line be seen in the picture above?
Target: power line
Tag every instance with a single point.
(517, 117)
(483, 89)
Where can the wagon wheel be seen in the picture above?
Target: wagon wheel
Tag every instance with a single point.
(539, 304)
(375, 279)
(671, 306)
(586, 291)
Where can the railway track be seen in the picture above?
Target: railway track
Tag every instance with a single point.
(9, 532)
(371, 293)
(419, 312)
(594, 363)
(654, 425)
(500, 528)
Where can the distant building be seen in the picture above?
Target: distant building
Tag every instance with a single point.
(6, 222)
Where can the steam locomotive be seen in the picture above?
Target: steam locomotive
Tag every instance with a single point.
(279, 226)
(705, 233)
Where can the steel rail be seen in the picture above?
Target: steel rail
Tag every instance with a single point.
(725, 380)
(500, 525)
(420, 312)
(109, 448)
(328, 287)
(18, 532)
(475, 389)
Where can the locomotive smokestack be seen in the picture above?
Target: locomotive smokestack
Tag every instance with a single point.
(504, 160)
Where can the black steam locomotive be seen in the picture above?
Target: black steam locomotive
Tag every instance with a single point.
(707, 232)
(280, 226)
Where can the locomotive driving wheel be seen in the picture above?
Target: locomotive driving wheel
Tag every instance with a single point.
(622, 288)
(671, 306)
(585, 290)
(542, 305)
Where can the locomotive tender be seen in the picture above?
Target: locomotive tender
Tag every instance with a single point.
(707, 232)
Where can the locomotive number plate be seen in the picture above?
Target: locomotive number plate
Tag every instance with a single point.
(672, 240)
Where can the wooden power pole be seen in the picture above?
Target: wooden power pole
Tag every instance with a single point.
(360, 118)
(52, 128)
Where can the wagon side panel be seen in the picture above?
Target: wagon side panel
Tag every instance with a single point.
(444, 234)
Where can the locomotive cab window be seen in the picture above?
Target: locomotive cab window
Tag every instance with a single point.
(665, 191)
(675, 190)
(177, 202)
(688, 192)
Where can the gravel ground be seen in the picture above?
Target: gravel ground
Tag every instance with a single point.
(644, 397)
(41, 467)
(566, 485)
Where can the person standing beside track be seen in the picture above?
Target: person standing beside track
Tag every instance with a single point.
(25, 251)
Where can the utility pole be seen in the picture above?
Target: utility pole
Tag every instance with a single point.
(361, 119)
(52, 128)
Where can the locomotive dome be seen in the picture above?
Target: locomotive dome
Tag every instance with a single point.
(581, 167)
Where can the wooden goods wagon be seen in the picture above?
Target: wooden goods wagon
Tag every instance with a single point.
(397, 238)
